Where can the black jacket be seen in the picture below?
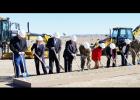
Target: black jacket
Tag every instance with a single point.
(38, 50)
(18, 44)
(108, 52)
(127, 49)
(56, 45)
(70, 48)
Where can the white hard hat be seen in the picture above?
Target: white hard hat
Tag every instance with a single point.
(127, 41)
(22, 33)
(102, 45)
(74, 38)
(39, 38)
(112, 46)
(57, 35)
(86, 45)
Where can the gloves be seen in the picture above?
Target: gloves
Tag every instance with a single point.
(52, 48)
(74, 55)
(21, 53)
(83, 56)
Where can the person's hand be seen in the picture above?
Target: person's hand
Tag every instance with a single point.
(33, 52)
(74, 55)
(108, 56)
(21, 53)
(52, 48)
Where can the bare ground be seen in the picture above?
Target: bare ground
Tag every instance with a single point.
(103, 77)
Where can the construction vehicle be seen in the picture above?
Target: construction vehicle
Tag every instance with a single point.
(119, 34)
(136, 32)
(9, 29)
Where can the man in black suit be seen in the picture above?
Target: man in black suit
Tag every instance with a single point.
(111, 53)
(70, 53)
(54, 47)
(125, 52)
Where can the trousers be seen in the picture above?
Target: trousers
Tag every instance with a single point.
(19, 64)
(37, 65)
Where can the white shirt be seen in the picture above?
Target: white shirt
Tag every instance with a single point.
(124, 49)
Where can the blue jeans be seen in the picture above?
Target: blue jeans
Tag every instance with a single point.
(19, 64)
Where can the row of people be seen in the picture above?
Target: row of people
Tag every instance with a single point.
(110, 53)
(18, 46)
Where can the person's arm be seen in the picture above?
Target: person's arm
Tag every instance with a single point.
(43, 49)
(67, 48)
(25, 46)
(76, 48)
(48, 43)
(12, 48)
(80, 48)
(127, 49)
(60, 44)
(33, 47)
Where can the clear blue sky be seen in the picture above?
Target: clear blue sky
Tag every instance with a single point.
(74, 23)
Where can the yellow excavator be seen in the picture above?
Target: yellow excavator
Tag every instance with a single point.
(9, 29)
(119, 34)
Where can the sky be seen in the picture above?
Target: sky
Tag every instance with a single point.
(74, 23)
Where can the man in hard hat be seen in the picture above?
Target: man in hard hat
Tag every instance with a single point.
(135, 51)
(39, 48)
(96, 54)
(125, 52)
(111, 54)
(54, 47)
(18, 46)
(85, 52)
(70, 53)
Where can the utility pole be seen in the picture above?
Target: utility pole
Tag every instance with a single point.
(28, 28)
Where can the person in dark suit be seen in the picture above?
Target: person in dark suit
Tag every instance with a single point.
(70, 53)
(54, 47)
(39, 48)
(111, 53)
(125, 52)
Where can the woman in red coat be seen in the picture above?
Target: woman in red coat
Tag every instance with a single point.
(96, 54)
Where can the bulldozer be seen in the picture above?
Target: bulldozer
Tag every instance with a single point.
(9, 29)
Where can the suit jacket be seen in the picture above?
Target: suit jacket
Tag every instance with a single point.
(108, 52)
(127, 49)
(38, 50)
(18, 45)
(54, 42)
(70, 48)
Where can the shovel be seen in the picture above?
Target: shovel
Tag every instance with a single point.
(42, 61)
(126, 60)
